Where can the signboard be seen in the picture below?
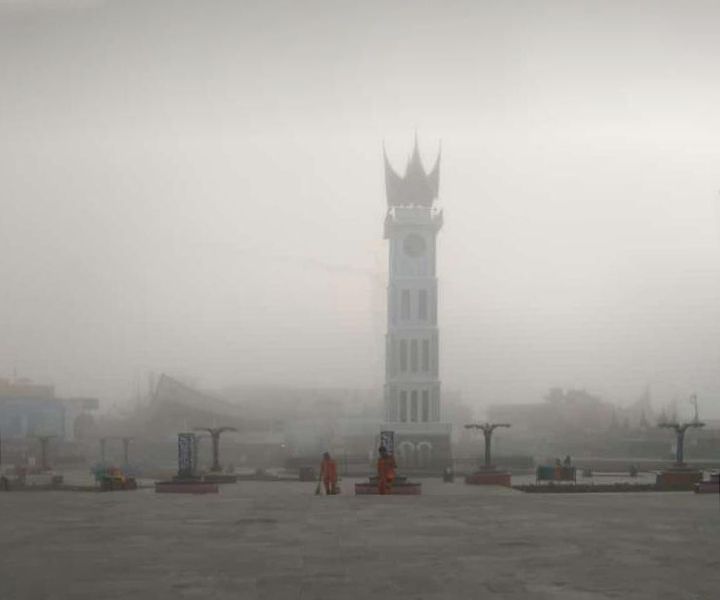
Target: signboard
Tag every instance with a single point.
(387, 439)
(186, 454)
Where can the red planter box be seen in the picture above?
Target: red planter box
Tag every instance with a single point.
(489, 478)
(678, 479)
(401, 489)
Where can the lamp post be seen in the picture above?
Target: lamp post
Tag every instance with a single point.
(126, 450)
(487, 429)
(679, 475)
(215, 433)
(680, 429)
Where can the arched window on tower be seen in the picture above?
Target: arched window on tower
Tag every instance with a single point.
(414, 356)
(424, 452)
(406, 454)
(422, 305)
(426, 355)
(414, 406)
(425, 406)
(403, 406)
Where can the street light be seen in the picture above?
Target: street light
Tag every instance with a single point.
(680, 429)
(487, 429)
(215, 433)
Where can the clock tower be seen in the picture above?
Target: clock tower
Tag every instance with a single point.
(412, 361)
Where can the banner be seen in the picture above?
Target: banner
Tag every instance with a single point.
(186, 454)
(387, 439)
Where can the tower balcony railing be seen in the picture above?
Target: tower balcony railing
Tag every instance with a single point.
(415, 214)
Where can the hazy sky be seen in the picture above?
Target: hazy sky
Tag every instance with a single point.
(197, 188)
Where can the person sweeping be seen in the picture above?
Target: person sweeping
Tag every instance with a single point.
(386, 471)
(328, 475)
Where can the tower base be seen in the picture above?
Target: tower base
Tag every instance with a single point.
(678, 477)
(401, 487)
(422, 453)
(489, 476)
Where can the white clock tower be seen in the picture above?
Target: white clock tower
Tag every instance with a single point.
(412, 381)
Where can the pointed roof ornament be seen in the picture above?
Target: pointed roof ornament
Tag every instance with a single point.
(393, 181)
(434, 175)
(416, 187)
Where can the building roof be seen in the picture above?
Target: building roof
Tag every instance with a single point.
(171, 391)
(25, 389)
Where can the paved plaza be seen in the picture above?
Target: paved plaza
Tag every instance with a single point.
(278, 541)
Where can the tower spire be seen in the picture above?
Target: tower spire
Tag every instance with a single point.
(416, 187)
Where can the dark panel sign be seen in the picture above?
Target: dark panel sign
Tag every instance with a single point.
(387, 439)
(186, 454)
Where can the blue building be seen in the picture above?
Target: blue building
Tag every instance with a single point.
(27, 409)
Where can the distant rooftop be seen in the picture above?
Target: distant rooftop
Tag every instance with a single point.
(24, 388)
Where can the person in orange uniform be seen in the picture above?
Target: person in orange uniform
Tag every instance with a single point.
(386, 471)
(328, 473)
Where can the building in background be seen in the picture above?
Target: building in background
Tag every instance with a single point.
(28, 409)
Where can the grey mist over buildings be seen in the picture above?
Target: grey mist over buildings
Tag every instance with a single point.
(198, 189)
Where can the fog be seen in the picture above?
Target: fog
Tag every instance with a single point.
(197, 188)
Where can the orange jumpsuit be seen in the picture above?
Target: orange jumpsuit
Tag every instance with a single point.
(328, 472)
(386, 473)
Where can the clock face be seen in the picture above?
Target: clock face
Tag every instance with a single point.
(414, 245)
